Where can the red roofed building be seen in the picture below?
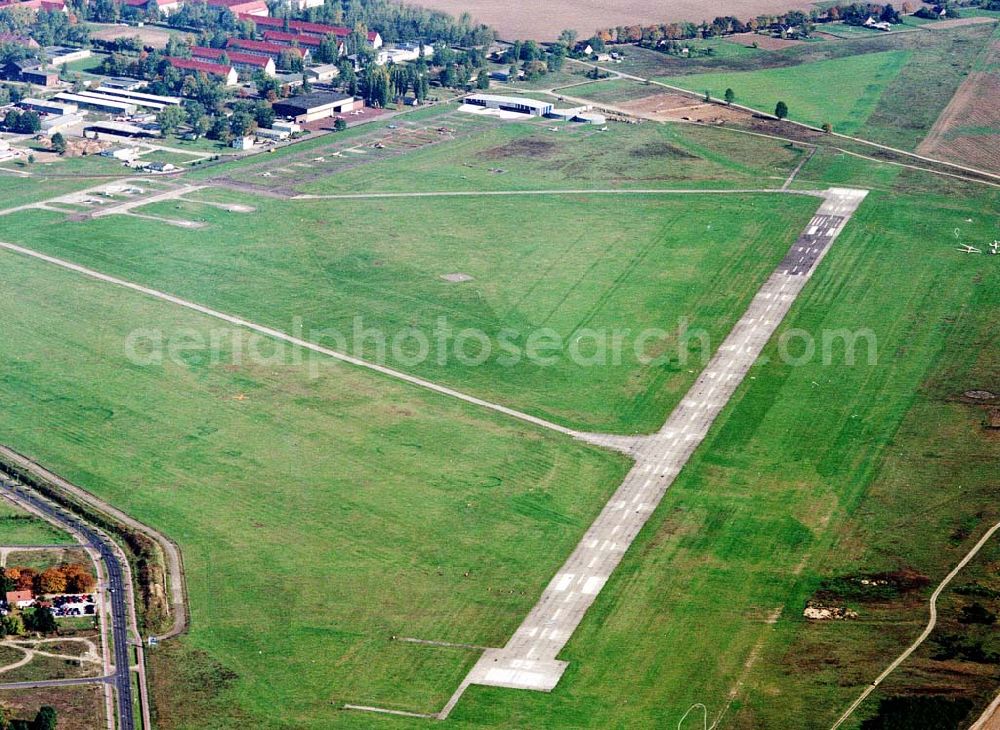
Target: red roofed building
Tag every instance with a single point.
(18, 40)
(19, 599)
(263, 48)
(166, 7)
(50, 5)
(240, 61)
(252, 8)
(226, 73)
(290, 40)
(317, 30)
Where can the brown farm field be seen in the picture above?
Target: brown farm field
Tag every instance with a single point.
(521, 19)
(670, 107)
(968, 130)
(152, 37)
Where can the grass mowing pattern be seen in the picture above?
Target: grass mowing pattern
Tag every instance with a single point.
(812, 472)
(318, 516)
(565, 264)
(842, 91)
(18, 527)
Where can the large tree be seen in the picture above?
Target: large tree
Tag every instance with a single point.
(170, 118)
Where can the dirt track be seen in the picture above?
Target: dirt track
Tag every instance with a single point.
(521, 19)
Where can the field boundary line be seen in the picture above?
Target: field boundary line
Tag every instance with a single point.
(297, 341)
(931, 623)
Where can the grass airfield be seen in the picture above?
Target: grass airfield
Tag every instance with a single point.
(565, 264)
(291, 496)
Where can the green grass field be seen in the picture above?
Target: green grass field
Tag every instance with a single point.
(18, 527)
(53, 179)
(575, 267)
(813, 472)
(914, 100)
(610, 91)
(808, 89)
(532, 157)
(318, 516)
(321, 513)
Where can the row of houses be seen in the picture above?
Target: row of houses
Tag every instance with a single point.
(265, 49)
(305, 29)
(248, 62)
(227, 74)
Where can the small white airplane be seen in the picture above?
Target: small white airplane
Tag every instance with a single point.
(995, 247)
(968, 249)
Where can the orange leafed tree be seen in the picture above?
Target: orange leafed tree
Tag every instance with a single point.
(52, 581)
(78, 578)
(26, 579)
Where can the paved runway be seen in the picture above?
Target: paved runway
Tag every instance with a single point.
(528, 661)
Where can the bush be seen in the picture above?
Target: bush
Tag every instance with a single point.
(976, 613)
(919, 713)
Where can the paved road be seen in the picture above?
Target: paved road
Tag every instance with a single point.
(117, 591)
(171, 552)
(59, 682)
(529, 660)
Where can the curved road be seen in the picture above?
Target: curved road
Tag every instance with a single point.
(117, 589)
(171, 552)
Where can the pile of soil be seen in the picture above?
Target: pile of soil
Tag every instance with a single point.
(526, 147)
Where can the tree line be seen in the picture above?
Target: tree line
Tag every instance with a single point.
(804, 22)
(61, 578)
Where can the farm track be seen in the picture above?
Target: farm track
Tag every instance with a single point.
(931, 623)
(974, 105)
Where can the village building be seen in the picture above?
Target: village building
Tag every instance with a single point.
(227, 74)
(247, 62)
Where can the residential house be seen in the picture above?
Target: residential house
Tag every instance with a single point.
(19, 599)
